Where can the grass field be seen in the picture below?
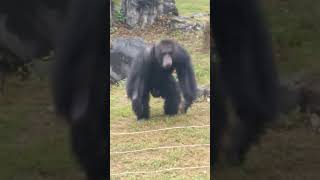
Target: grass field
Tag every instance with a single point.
(34, 143)
(296, 34)
(123, 119)
(188, 7)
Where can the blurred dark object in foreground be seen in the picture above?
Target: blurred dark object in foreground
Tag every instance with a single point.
(245, 78)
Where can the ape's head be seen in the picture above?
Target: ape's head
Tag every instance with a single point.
(164, 52)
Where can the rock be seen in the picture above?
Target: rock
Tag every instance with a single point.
(41, 68)
(203, 93)
(185, 24)
(12, 64)
(315, 122)
(290, 94)
(197, 15)
(168, 7)
(302, 91)
(144, 12)
(311, 95)
(122, 53)
(207, 38)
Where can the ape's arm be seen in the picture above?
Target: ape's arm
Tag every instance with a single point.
(247, 66)
(139, 71)
(186, 77)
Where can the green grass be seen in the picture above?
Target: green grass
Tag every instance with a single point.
(296, 34)
(34, 143)
(122, 119)
(117, 2)
(187, 7)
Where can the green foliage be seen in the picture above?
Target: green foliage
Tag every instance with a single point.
(119, 16)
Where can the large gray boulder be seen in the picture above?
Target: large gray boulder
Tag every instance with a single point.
(144, 12)
(122, 53)
(168, 7)
(302, 91)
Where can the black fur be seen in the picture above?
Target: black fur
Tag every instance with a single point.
(246, 75)
(80, 83)
(149, 74)
(76, 30)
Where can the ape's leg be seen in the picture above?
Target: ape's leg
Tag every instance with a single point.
(172, 97)
(89, 133)
(219, 119)
(219, 123)
(87, 143)
(2, 80)
(248, 131)
(80, 85)
(141, 106)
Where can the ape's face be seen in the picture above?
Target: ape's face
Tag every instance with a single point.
(164, 53)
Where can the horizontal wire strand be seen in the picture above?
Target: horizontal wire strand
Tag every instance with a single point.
(156, 130)
(163, 147)
(159, 171)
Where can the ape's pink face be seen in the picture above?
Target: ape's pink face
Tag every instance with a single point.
(166, 61)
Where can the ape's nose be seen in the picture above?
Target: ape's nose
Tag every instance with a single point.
(167, 62)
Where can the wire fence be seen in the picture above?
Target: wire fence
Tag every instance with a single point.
(162, 170)
(159, 148)
(163, 147)
(157, 130)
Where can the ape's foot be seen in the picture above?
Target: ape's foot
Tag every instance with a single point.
(184, 108)
(142, 117)
(171, 112)
(141, 111)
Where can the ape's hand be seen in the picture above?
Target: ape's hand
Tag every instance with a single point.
(184, 107)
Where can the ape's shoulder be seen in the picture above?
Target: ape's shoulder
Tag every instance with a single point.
(145, 55)
(181, 55)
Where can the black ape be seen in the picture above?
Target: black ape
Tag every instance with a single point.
(80, 83)
(245, 75)
(76, 30)
(151, 72)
